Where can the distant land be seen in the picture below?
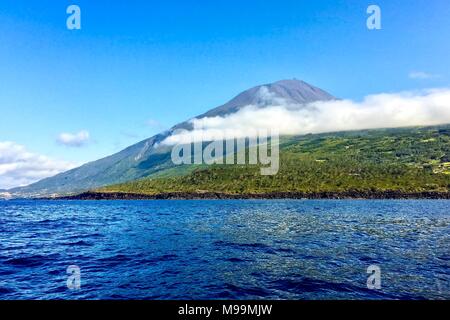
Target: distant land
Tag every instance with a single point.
(143, 159)
(402, 163)
(379, 163)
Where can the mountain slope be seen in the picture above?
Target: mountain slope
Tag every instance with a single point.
(404, 161)
(143, 159)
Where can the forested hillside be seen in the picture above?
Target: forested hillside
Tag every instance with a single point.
(406, 160)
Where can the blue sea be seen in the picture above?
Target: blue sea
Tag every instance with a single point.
(225, 249)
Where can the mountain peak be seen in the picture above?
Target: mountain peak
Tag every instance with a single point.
(291, 91)
(293, 82)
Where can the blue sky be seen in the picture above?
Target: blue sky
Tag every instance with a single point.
(137, 67)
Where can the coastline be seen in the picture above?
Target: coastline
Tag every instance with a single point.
(380, 195)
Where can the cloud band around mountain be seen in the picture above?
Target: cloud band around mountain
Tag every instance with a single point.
(387, 110)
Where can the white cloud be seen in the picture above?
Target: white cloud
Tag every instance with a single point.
(429, 107)
(74, 139)
(19, 167)
(420, 75)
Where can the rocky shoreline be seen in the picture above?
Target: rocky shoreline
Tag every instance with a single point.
(273, 195)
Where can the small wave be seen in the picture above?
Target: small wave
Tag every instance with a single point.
(46, 221)
(301, 285)
(30, 261)
(78, 243)
(154, 260)
(89, 235)
(235, 260)
(6, 272)
(4, 290)
(255, 246)
(115, 259)
(233, 291)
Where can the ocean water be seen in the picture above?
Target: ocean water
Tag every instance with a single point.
(230, 249)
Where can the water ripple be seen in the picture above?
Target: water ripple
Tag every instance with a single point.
(225, 249)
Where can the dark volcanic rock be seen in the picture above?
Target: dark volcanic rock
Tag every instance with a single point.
(273, 195)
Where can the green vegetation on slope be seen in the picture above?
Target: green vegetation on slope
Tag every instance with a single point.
(406, 160)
